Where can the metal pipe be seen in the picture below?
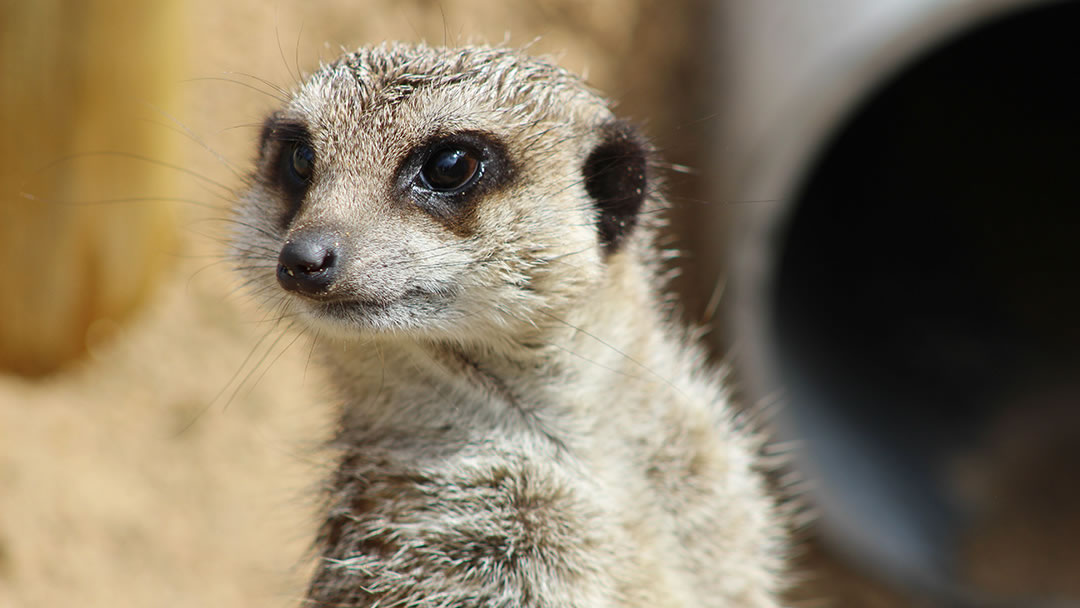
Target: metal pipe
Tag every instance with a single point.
(906, 262)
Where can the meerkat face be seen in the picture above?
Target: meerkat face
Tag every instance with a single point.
(450, 193)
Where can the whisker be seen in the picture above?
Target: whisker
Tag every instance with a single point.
(262, 359)
(183, 129)
(282, 97)
(311, 352)
(617, 351)
(115, 201)
(276, 358)
(281, 51)
(139, 157)
(232, 220)
(224, 388)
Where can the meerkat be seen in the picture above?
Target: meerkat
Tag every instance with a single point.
(470, 235)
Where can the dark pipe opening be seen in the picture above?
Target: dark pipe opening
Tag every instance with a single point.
(929, 282)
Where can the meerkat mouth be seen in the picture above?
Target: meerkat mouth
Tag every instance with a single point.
(343, 309)
(347, 317)
(414, 308)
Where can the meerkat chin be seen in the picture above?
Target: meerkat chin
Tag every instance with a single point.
(524, 421)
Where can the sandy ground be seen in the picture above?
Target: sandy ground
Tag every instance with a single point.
(130, 482)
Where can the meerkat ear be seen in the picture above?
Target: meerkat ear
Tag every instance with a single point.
(616, 178)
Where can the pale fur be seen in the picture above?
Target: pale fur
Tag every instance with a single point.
(536, 429)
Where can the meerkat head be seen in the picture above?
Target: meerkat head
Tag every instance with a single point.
(444, 192)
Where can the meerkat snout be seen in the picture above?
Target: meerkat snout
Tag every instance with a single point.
(307, 264)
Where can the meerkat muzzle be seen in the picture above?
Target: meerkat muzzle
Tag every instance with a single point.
(307, 264)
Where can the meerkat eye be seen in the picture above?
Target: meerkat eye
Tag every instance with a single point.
(450, 169)
(301, 163)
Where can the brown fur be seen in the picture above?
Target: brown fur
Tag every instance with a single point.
(523, 423)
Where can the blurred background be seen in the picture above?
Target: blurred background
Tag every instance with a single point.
(879, 204)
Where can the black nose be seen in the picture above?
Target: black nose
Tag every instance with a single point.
(308, 263)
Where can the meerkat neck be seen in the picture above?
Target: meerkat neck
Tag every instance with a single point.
(584, 352)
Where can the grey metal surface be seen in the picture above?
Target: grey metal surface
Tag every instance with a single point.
(791, 76)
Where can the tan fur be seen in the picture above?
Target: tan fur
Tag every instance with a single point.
(532, 429)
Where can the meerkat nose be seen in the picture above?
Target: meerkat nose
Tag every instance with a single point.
(308, 263)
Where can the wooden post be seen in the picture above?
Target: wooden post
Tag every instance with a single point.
(84, 233)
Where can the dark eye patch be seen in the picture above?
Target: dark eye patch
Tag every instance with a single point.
(447, 174)
(288, 161)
